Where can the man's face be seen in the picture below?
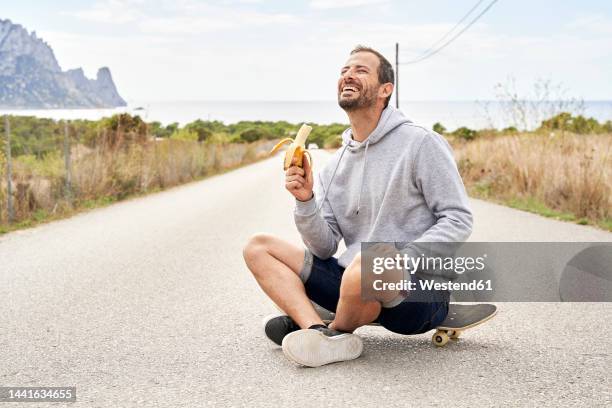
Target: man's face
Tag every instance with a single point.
(358, 84)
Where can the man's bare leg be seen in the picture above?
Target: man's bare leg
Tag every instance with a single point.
(352, 312)
(276, 265)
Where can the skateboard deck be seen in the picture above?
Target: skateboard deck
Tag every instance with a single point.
(460, 318)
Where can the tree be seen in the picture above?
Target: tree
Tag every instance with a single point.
(438, 128)
(465, 133)
(201, 128)
(252, 135)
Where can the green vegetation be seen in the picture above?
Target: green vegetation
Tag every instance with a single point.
(439, 128)
(555, 170)
(63, 167)
(535, 206)
(561, 123)
(39, 137)
(465, 133)
(580, 125)
(123, 156)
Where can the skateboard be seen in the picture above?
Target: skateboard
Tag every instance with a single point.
(459, 319)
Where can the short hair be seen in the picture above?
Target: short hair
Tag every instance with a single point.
(385, 69)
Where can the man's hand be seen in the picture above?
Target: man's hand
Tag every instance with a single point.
(391, 275)
(298, 181)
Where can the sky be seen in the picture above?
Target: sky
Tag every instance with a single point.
(180, 50)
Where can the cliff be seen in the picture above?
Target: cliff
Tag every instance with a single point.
(30, 76)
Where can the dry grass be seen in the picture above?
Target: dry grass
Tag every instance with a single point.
(564, 176)
(106, 174)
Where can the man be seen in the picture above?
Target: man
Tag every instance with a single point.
(390, 181)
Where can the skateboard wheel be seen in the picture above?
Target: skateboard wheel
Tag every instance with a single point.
(440, 338)
(454, 334)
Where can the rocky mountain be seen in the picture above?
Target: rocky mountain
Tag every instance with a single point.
(30, 76)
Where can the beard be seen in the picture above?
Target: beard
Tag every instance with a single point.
(365, 100)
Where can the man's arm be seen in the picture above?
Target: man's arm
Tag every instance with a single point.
(319, 229)
(314, 219)
(437, 178)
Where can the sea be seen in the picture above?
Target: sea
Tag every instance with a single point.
(451, 114)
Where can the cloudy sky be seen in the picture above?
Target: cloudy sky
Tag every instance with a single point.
(168, 50)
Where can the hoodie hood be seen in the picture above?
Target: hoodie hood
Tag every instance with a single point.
(390, 119)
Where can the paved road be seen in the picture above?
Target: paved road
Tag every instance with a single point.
(147, 302)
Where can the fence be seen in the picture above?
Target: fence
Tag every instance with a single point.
(52, 168)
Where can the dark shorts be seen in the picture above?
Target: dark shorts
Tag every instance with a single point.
(322, 280)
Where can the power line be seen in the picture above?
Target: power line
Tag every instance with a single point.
(434, 45)
(429, 54)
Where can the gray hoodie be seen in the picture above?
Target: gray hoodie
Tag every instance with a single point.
(400, 185)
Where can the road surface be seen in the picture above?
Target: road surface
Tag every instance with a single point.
(148, 303)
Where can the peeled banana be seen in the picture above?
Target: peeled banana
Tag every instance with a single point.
(296, 150)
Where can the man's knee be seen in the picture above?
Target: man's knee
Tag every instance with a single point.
(351, 287)
(351, 280)
(256, 247)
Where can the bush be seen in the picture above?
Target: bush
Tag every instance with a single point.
(125, 122)
(575, 124)
(583, 126)
(185, 134)
(465, 133)
(253, 135)
(438, 128)
(157, 130)
(201, 128)
(324, 135)
(333, 142)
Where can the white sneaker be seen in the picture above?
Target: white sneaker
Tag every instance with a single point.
(320, 346)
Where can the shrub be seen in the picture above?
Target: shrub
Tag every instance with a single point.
(253, 135)
(563, 173)
(201, 128)
(438, 128)
(333, 142)
(465, 133)
(185, 134)
(157, 130)
(575, 124)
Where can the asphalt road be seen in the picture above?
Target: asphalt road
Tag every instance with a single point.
(148, 303)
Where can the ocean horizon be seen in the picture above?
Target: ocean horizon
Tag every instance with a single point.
(451, 114)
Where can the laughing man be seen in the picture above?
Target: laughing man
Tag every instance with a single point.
(390, 181)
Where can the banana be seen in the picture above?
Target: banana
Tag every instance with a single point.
(297, 149)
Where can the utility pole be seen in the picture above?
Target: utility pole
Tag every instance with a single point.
(397, 75)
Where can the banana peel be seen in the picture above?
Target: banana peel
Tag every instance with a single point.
(294, 156)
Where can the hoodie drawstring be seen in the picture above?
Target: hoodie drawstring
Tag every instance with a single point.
(390, 119)
(365, 157)
(332, 177)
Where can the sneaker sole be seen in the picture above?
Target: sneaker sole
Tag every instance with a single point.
(311, 348)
